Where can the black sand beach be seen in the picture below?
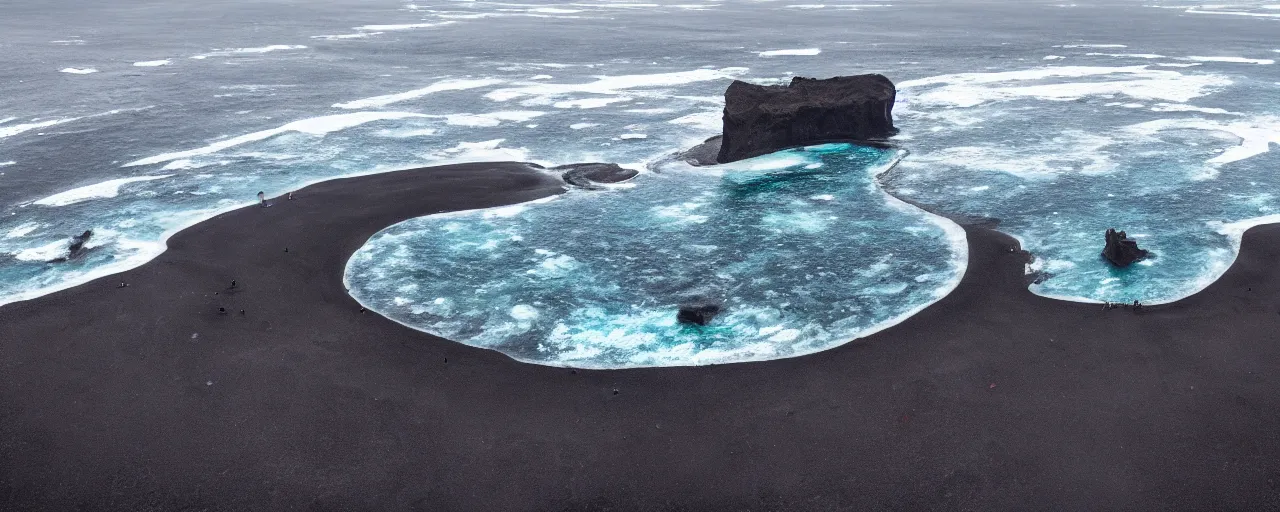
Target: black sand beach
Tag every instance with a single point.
(145, 398)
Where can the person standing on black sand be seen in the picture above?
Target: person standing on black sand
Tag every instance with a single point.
(262, 199)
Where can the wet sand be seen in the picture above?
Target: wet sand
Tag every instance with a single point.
(145, 398)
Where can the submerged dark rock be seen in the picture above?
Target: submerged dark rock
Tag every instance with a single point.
(761, 119)
(590, 175)
(1121, 251)
(698, 312)
(76, 248)
(703, 154)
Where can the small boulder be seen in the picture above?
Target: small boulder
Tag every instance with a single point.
(698, 312)
(702, 154)
(590, 175)
(1121, 251)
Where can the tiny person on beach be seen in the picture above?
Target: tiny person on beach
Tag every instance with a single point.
(262, 199)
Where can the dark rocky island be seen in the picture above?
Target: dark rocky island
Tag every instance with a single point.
(1121, 251)
(760, 119)
(698, 312)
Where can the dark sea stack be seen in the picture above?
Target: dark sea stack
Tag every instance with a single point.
(760, 119)
(1120, 250)
(698, 312)
(590, 175)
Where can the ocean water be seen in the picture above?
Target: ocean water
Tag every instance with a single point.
(1059, 120)
(801, 247)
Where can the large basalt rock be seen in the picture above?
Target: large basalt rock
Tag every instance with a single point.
(1121, 251)
(590, 175)
(698, 312)
(760, 119)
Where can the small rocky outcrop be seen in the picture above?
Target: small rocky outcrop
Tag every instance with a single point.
(702, 154)
(591, 175)
(1121, 251)
(760, 119)
(76, 248)
(698, 312)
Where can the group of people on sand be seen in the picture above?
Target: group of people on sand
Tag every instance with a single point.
(262, 199)
(1137, 306)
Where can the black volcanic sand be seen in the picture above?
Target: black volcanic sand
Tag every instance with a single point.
(993, 398)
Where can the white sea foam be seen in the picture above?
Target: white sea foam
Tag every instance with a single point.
(340, 37)
(1235, 60)
(22, 230)
(152, 63)
(441, 86)
(1127, 55)
(610, 86)
(1178, 107)
(229, 52)
(1071, 152)
(9, 131)
(318, 126)
(1090, 46)
(490, 119)
(1140, 82)
(582, 126)
(704, 121)
(1194, 10)
(483, 151)
(410, 26)
(789, 53)
(633, 136)
(596, 102)
(106, 189)
(79, 71)
(1256, 135)
(6, 164)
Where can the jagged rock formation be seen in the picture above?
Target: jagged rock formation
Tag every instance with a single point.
(1120, 250)
(699, 312)
(590, 175)
(76, 248)
(761, 119)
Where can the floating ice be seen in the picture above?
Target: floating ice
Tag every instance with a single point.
(152, 63)
(79, 71)
(547, 283)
